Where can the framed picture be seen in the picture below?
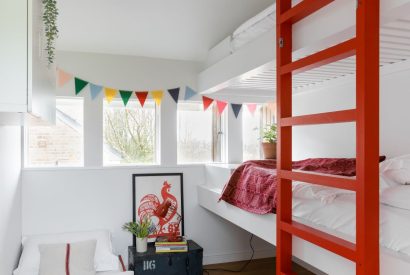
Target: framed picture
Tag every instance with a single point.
(159, 197)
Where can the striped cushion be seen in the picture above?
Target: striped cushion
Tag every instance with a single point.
(67, 259)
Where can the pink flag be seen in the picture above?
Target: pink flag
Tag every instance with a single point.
(251, 108)
(221, 106)
(63, 78)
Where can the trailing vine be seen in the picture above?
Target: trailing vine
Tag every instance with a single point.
(50, 13)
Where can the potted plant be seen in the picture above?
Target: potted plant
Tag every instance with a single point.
(141, 230)
(269, 137)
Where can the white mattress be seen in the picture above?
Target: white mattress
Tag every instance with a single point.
(338, 217)
(254, 27)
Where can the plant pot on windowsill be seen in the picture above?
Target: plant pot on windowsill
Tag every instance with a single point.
(269, 136)
(269, 150)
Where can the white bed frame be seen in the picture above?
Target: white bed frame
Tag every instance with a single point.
(325, 28)
(264, 226)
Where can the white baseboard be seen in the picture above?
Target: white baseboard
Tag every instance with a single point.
(217, 258)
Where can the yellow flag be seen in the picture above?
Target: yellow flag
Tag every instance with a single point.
(110, 94)
(157, 96)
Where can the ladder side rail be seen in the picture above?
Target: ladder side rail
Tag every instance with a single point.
(367, 137)
(284, 157)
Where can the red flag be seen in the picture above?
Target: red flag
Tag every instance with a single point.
(142, 96)
(221, 106)
(207, 102)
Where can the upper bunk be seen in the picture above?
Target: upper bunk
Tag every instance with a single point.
(245, 62)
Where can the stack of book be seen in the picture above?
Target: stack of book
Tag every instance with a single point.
(165, 245)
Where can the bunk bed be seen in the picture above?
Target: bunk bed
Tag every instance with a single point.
(312, 235)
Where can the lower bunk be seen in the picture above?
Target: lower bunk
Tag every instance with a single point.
(331, 212)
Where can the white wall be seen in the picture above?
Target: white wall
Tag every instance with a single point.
(339, 140)
(59, 200)
(10, 197)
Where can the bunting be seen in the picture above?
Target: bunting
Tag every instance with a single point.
(157, 96)
(189, 93)
(236, 108)
(79, 85)
(174, 93)
(251, 108)
(95, 90)
(110, 94)
(142, 96)
(63, 77)
(125, 96)
(207, 102)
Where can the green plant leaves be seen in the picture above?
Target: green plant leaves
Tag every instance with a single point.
(50, 14)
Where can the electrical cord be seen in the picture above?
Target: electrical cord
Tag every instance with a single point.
(207, 270)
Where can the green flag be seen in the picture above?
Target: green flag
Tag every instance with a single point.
(125, 95)
(79, 85)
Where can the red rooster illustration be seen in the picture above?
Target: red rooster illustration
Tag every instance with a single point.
(150, 206)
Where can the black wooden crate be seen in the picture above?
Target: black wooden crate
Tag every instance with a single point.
(182, 263)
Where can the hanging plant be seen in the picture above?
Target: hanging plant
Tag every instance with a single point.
(50, 13)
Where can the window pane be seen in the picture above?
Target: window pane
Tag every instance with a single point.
(129, 133)
(60, 144)
(194, 133)
(251, 133)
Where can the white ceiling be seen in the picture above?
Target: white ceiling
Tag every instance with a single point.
(174, 29)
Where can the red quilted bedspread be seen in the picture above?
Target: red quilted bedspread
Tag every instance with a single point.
(253, 185)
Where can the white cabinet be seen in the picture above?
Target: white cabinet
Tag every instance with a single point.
(13, 56)
(27, 84)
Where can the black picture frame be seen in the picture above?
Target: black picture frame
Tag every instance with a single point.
(163, 175)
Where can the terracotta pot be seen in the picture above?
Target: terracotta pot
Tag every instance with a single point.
(269, 150)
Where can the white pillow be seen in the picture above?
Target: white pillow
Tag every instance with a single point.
(79, 257)
(104, 259)
(397, 196)
(397, 169)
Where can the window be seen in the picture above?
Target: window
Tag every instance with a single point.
(252, 127)
(251, 133)
(130, 134)
(199, 134)
(60, 144)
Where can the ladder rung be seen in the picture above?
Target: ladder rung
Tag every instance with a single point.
(322, 118)
(320, 179)
(329, 55)
(302, 10)
(329, 242)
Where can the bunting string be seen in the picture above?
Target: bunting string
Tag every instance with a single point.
(80, 84)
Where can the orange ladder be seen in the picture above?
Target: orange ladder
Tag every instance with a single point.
(365, 252)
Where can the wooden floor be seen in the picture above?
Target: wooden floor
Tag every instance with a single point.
(256, 267)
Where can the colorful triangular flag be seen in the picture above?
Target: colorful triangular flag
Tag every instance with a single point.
(142, 96)
(221, 106)
(125, 96)
(63, 77)
(110, 94)
(189, 93)
(174, 93)
(95, 90)
(207, 102)
(251, 107)
(79, 85)
(236, 108)
(157, 96)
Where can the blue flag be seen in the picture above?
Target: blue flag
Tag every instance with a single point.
(189, 93)
(236, 108)
(174, 93)
(95, 90)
